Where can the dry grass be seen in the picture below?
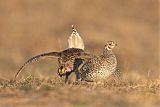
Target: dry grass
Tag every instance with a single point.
(53, 92)
(30, 27)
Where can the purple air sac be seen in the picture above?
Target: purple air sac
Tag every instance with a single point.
(64, 71)
(68, 69)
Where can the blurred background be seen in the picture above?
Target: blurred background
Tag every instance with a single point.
(32, 27)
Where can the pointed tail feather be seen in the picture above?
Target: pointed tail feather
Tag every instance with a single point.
(49, 54)
(75, 41)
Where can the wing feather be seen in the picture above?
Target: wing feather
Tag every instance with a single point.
(36, 58)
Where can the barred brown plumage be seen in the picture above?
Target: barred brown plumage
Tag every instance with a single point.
(101, 67)
(36, 58)
(66, 58)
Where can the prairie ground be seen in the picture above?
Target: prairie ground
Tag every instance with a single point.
(34, 92)
(32, 27)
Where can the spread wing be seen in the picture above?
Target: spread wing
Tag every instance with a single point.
(36, 58)
(75, 41)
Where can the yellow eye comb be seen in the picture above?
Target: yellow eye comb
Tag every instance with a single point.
(61, 70)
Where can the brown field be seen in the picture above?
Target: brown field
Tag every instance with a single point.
(31, 27)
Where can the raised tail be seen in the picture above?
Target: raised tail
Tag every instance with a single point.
(74, 40)
(36, 58)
